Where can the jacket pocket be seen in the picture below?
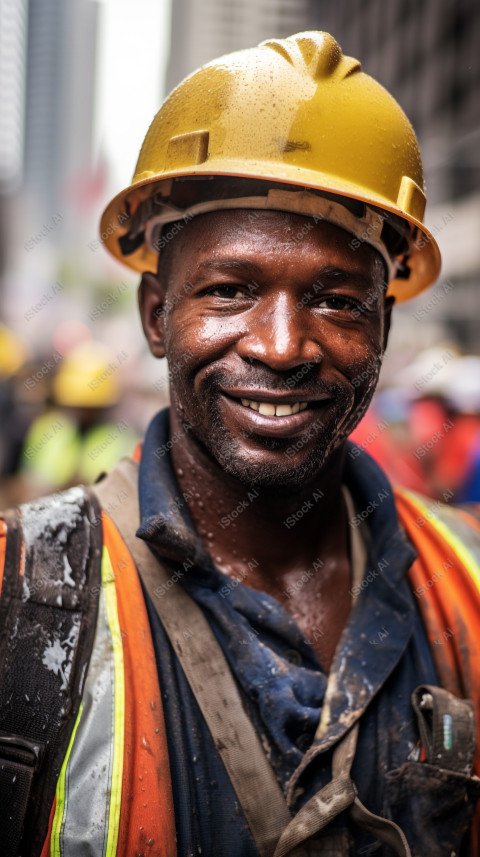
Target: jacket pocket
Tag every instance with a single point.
(433, 806)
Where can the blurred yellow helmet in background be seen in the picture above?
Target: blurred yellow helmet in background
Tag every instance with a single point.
(12, 352)
(87, 377)
(294, 112)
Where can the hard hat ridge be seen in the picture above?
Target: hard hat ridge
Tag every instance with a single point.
(317, 52)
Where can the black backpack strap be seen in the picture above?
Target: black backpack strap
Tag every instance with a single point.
(48, 613)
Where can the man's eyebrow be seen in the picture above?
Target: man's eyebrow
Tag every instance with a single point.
(329, 274)
(240, 265)
(336, 273)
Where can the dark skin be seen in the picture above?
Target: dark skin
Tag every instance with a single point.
(277, 310)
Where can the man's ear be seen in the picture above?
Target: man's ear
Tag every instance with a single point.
(151, 302)
(387, 314)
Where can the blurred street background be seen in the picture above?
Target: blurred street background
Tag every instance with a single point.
(79, 83)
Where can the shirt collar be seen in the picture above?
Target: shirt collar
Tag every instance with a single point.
(164, 518)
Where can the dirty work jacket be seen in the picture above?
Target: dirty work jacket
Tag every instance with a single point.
(382, 657)
(133, 766)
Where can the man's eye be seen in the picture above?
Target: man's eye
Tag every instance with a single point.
(224, 291)
(338, 302)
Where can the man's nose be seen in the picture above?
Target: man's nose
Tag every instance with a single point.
(279, 336)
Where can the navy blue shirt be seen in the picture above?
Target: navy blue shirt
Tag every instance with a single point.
(381, 657)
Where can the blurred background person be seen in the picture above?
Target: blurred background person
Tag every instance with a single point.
(77, 436)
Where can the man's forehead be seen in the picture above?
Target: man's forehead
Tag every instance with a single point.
(253, 238)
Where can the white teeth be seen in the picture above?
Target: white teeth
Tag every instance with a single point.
(268, 409)
(284, 410)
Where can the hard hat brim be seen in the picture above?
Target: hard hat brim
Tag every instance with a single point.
(424, 259)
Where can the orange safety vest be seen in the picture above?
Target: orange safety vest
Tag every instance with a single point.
(445, 578)
(114, 790)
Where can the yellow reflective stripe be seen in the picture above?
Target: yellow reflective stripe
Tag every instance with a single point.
(108, 584)
(464, 554)
(58, 818)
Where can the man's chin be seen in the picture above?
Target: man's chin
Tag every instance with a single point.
(285, 464)
(272, 467)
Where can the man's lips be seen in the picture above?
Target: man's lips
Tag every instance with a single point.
(264, 412)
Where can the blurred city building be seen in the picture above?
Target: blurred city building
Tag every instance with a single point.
(202, 31)
(13, 34)
(47, 91)
(48, 179)
(59, 105)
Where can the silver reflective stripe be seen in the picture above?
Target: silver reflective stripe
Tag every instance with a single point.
(88, 781)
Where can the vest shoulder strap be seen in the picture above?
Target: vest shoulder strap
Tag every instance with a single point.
(48, 612)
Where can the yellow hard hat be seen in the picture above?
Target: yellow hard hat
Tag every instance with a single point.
(12, 352)
(292, 112)
(87, 377)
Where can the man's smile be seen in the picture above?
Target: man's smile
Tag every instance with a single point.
(272, 414)
(269, 409)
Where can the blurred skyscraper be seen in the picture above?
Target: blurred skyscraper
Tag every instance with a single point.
(13, 27)
(204, 30)
(60, 77)
(13, 20)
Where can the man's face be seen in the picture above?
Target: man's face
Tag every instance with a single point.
(274, 329)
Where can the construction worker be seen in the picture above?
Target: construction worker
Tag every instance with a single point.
(76, 439)
(263, 651)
